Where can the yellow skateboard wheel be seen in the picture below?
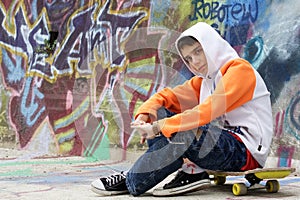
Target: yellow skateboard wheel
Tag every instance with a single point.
(272, 186)
(219, 180)
(239, 189)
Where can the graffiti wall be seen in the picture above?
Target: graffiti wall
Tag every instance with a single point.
(73, 73)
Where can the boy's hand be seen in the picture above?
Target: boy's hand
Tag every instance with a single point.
(145, 130)
(140, 120)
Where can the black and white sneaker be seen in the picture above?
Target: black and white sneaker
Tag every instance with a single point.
(110, 185)
(184, 183)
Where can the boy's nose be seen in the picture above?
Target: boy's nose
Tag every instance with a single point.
(195, 61)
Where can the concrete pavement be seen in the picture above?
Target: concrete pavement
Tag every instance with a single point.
(69, 178)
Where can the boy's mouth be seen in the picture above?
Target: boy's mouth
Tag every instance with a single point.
(199, 69)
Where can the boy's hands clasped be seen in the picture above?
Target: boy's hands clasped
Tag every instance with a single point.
(146, 130)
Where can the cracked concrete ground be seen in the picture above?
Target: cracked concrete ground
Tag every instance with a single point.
(51, 178)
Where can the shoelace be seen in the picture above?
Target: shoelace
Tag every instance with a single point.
(115, 178)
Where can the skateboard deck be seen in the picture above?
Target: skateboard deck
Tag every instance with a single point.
(253, 177)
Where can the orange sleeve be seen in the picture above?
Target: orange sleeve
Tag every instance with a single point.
(178, 99)
(235, 88)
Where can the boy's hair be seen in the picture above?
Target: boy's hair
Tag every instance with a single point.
(187, 40)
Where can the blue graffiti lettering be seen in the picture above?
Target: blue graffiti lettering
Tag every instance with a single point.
(31, 111)
(228, 13)
(15, 72)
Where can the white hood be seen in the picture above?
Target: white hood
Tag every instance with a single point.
(216, 49)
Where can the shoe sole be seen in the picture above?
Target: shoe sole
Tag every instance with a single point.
(199, 185)
(108, 193)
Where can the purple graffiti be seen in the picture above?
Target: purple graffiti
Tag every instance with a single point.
(17, 39)
(106, 34)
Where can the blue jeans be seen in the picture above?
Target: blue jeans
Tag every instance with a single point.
(216, 149)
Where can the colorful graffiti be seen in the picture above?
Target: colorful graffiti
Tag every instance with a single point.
(110, 56)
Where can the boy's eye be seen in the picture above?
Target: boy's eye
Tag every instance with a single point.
(198, 50)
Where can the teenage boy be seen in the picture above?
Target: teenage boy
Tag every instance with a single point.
(220, 119)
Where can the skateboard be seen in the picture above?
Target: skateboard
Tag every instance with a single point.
(253, 177)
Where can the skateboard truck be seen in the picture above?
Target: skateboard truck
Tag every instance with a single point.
(252, 179)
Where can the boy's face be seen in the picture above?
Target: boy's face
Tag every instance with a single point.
(194, 56)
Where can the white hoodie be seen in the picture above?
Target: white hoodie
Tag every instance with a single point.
(232, 92)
